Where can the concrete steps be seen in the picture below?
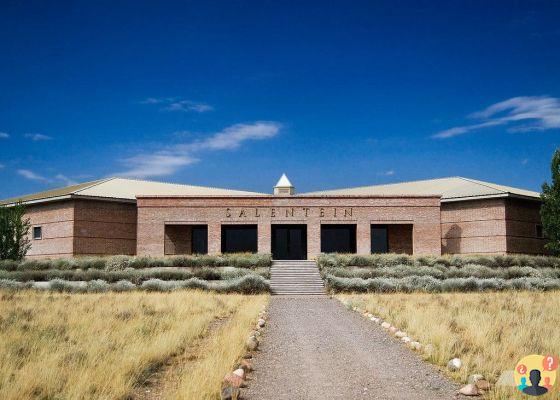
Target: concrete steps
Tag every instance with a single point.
(296, 278)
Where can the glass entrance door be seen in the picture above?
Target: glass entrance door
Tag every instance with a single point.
(289, 242)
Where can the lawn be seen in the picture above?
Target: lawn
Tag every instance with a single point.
(490, 332)
(104, 346)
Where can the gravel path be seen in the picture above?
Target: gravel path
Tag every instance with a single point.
(313, 348)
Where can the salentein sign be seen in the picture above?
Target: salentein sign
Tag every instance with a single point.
(288, 212)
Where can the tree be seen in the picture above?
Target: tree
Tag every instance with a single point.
(550, 209)
(14, 230)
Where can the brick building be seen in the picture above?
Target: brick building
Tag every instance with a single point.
(123, 216)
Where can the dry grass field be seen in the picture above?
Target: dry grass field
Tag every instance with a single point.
(104, 346)
(490, 332)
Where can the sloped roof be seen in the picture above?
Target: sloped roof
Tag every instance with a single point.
(126, 189)
(51, 194)
(450, 189)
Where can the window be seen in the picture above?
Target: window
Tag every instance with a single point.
(379, 239)
(540, 231)
(338, 238)
(37, 232)
(239, 239)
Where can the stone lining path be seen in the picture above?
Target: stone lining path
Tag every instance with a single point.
(314, 348)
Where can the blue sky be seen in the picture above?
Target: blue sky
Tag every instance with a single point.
(232, 94)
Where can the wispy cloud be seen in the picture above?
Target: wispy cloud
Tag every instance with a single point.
(66, 180)
(37, 137)
(57, 179)
(389, 172)
(168, 160)
(178, 104)
(519, 114)
(2, 166)
(32, 176)
(4, 135)
(525, 161)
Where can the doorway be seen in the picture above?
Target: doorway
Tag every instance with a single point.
(289, 242)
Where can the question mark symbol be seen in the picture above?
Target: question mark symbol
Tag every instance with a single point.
(521, 368)
(550, 363)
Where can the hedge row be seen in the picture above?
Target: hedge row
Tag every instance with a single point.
(119, 263)
(250, 284)
(442, 272)
(433, 285)
(134, 275)
(392, 260)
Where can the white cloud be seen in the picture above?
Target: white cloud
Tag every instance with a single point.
(158, 164)
(36, 137)
(520, 114)
(4, 135)
(28, 174)
(171, 158)
(525, 161)
(177, 104)
(387, 173)
(2, 166)
(67, 181)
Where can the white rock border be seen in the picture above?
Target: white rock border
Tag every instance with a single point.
(244, 366)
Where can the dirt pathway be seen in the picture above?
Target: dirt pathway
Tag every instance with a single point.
(316, 349)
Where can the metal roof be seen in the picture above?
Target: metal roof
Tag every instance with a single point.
(125, 190)
(450, 189)
(121, 189)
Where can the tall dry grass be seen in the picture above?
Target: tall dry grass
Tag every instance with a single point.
(490, 332)
(218, 356)
(97, 346)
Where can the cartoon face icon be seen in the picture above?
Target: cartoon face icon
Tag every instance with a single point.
(535, 375)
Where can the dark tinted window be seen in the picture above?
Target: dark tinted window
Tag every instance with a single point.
(200, 240)
(338, 238)
(37, 232)
(540, 231)
(379, 239)
(239, 238)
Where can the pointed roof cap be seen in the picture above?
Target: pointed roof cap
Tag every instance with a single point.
(284, 182)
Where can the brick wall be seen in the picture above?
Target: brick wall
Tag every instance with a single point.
(400, 238)
(522, 218)
(178, 239)
(57, 224)
(423, 213)
(104, 228)
(491, 226)
(476, 226)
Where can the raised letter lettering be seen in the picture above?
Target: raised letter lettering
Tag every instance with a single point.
(334, 212)
(288, 212)
(242, 213)
(272, 212)
(228, 212)
(257, 213)
(321, 212)
(306, 211)
(347, 212)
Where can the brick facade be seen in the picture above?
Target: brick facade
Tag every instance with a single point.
(495, 226)
(160, 225)
(422, 214)
(82, 227)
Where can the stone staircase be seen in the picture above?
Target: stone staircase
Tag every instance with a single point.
(296, 278)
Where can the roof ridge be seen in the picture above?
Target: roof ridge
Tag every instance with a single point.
(483, 183)
(93, 183)
(183, 184)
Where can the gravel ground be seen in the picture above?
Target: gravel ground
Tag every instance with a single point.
(313, 348)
